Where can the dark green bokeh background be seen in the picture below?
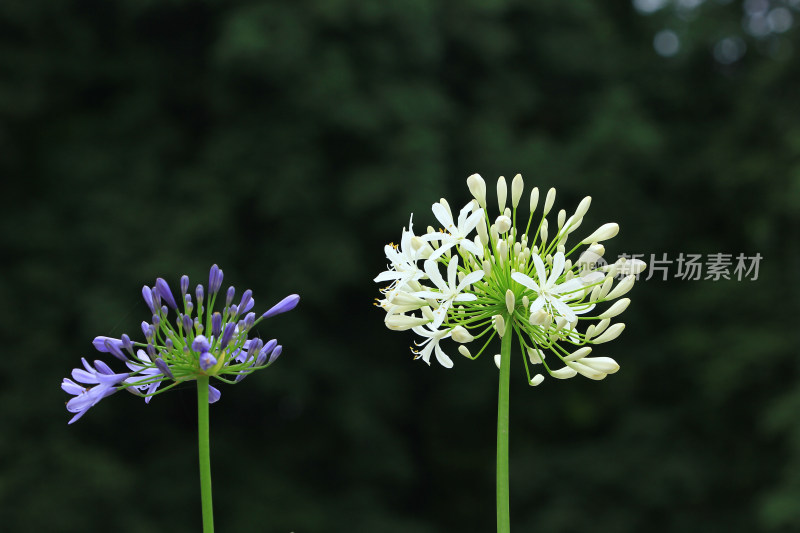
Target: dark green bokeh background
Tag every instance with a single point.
(287, 142)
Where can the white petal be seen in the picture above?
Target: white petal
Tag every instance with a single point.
(442, 357)
(443, 216)
(522, 279)
(558, 268)
(432, 270)
(563, 309)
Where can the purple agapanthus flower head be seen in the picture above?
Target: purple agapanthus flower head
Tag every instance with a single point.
(195, 341)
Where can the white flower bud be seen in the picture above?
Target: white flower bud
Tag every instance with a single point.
(502, 192)
(622, 287)
(503, 224)
(583, 207)
(537, 380)
(612, 333)
(463, 350)
(539, 317)
(534, 199)
(427, 313)
(580, 353)
(543, 232)
(510, 301)
(616, 309)
(601, 364)
(497, 359)
(482, 232)
(516, 190)
(604, 232)
(601, 326)
(605, 287)
(535, 356)
(478, 188)
(562, 217)
(500, 325)
(548, 202)
(588, 371)
(461, 335)
(525, 302)
(487, 268)
(404, 322)
(563, 373)
(590, 332)
(502, 251)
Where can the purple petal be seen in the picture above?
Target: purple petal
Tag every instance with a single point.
(213, 394)
(201, 344)
(287, 304)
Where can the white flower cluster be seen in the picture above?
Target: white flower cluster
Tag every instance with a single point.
(503, 281)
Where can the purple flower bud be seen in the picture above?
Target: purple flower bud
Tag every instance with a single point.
(164, 310)
(103, 368)
(150, 333)
(249, 320)
(229, 296)
(164, 368)
(166, 293)
(271, 344)
(151, 351)
(247, 300)
(261, 359)
(234, 310)
(156, 320)
(226, 335)
(145, 325)
(147, 294)
(213, 394)
(198, 327)
(254, 348)
(198, 292)
(275, 353)
(214, 280)
(114, 349)
(201, 344)
(126, 343)
(216, 325)
(168, 345)
(187, 323)
(287, 304)
(100, 343)
(240, 377)
(189, 307)
(207, 360)
(156, 298)
(184, 284)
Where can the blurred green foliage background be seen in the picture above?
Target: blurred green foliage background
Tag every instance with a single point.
(288, 142)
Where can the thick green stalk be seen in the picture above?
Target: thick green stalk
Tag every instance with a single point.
(503, 513)
(205, 454)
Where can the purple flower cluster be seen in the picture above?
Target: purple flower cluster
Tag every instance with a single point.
(200, 342)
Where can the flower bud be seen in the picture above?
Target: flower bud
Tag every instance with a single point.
(184, 285)
(478, 188)
(463, 350)
(563, 373)
(562, 216)
(275, 354)
(612, 333)
(537, 380)
(616, 309)
(207, 360)
(401, 322)
(534, 199)
(587, 371)
(216, 325)
(497, 360)
(227, 335)
(163, 367)
(165, 292)
(548, 202)
(580, 353)
(535, 356)
(214, 280)
(114, 349)
(517, 185)
(198, 292)
(604, 232)
(622, 287)
(500, 324)
(510, 301)
(503, 224)
(285, 305)
(187, 324)
(543, 232)
(147, 294)
(502, 192)
(249, 320)
(601, 364)
(461, 335)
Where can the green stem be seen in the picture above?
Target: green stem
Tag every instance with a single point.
(503, 513)
(205, 454)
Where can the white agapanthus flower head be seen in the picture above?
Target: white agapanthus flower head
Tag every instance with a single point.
(481, 275)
